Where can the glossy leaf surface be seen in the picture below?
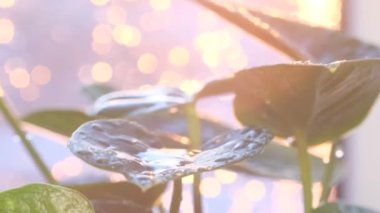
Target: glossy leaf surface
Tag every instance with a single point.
(43, 198)
(323, 101)
(128, 148)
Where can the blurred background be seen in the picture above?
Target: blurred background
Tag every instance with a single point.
(49, 50)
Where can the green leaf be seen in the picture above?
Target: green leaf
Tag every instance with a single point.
(342, 208)
(122, 191)
(43, 198)
(128, 148)
(64, 122)
(94, 91)
(299, 41)
(323, 101)
(136, 102)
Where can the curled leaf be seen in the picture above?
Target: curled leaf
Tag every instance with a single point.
(44, 198)
(323, 101)
(137, 102)
(127, 148)
(297, 40)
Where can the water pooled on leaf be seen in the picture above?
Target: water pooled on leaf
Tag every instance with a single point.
(147, 158)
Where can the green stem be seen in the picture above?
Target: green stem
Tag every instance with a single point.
(329, 169)
(304, 164)
(15, 124)
(176, 196)
(194, 133)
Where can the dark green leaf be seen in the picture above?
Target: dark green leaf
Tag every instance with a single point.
(61, 121)
(43, 198)
(342, 208)
(121, 191)
(323, 101)
(128, 148)
(299, 41)
(136, 102)
(278, 161)
(94, 91)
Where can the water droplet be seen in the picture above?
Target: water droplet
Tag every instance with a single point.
(97, 127)
(239, 145)
(224, 158)
(101, 161)
(83, 153)
(252, 146)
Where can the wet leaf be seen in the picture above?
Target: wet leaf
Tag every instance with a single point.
(43, 198)
(61, 121)
(299, 41)
(136, 102)
(276, 161)
(122, 191)
(118, 206)
(323, 101)
(127, 148)
(94, 91)
(342, 208)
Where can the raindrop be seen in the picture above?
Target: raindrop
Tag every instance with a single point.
(97, 127)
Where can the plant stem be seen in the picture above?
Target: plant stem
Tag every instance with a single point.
(197, 198)
(176, 196)
(193, 126)
(194, 133)
(304, 164)
(15, 124)
(329, 169)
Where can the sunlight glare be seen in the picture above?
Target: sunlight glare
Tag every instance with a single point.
(326, 13)
(147, 63)
(7, 3)
(6, 31)
(19, 78)
(210, 187)
(101, 72)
